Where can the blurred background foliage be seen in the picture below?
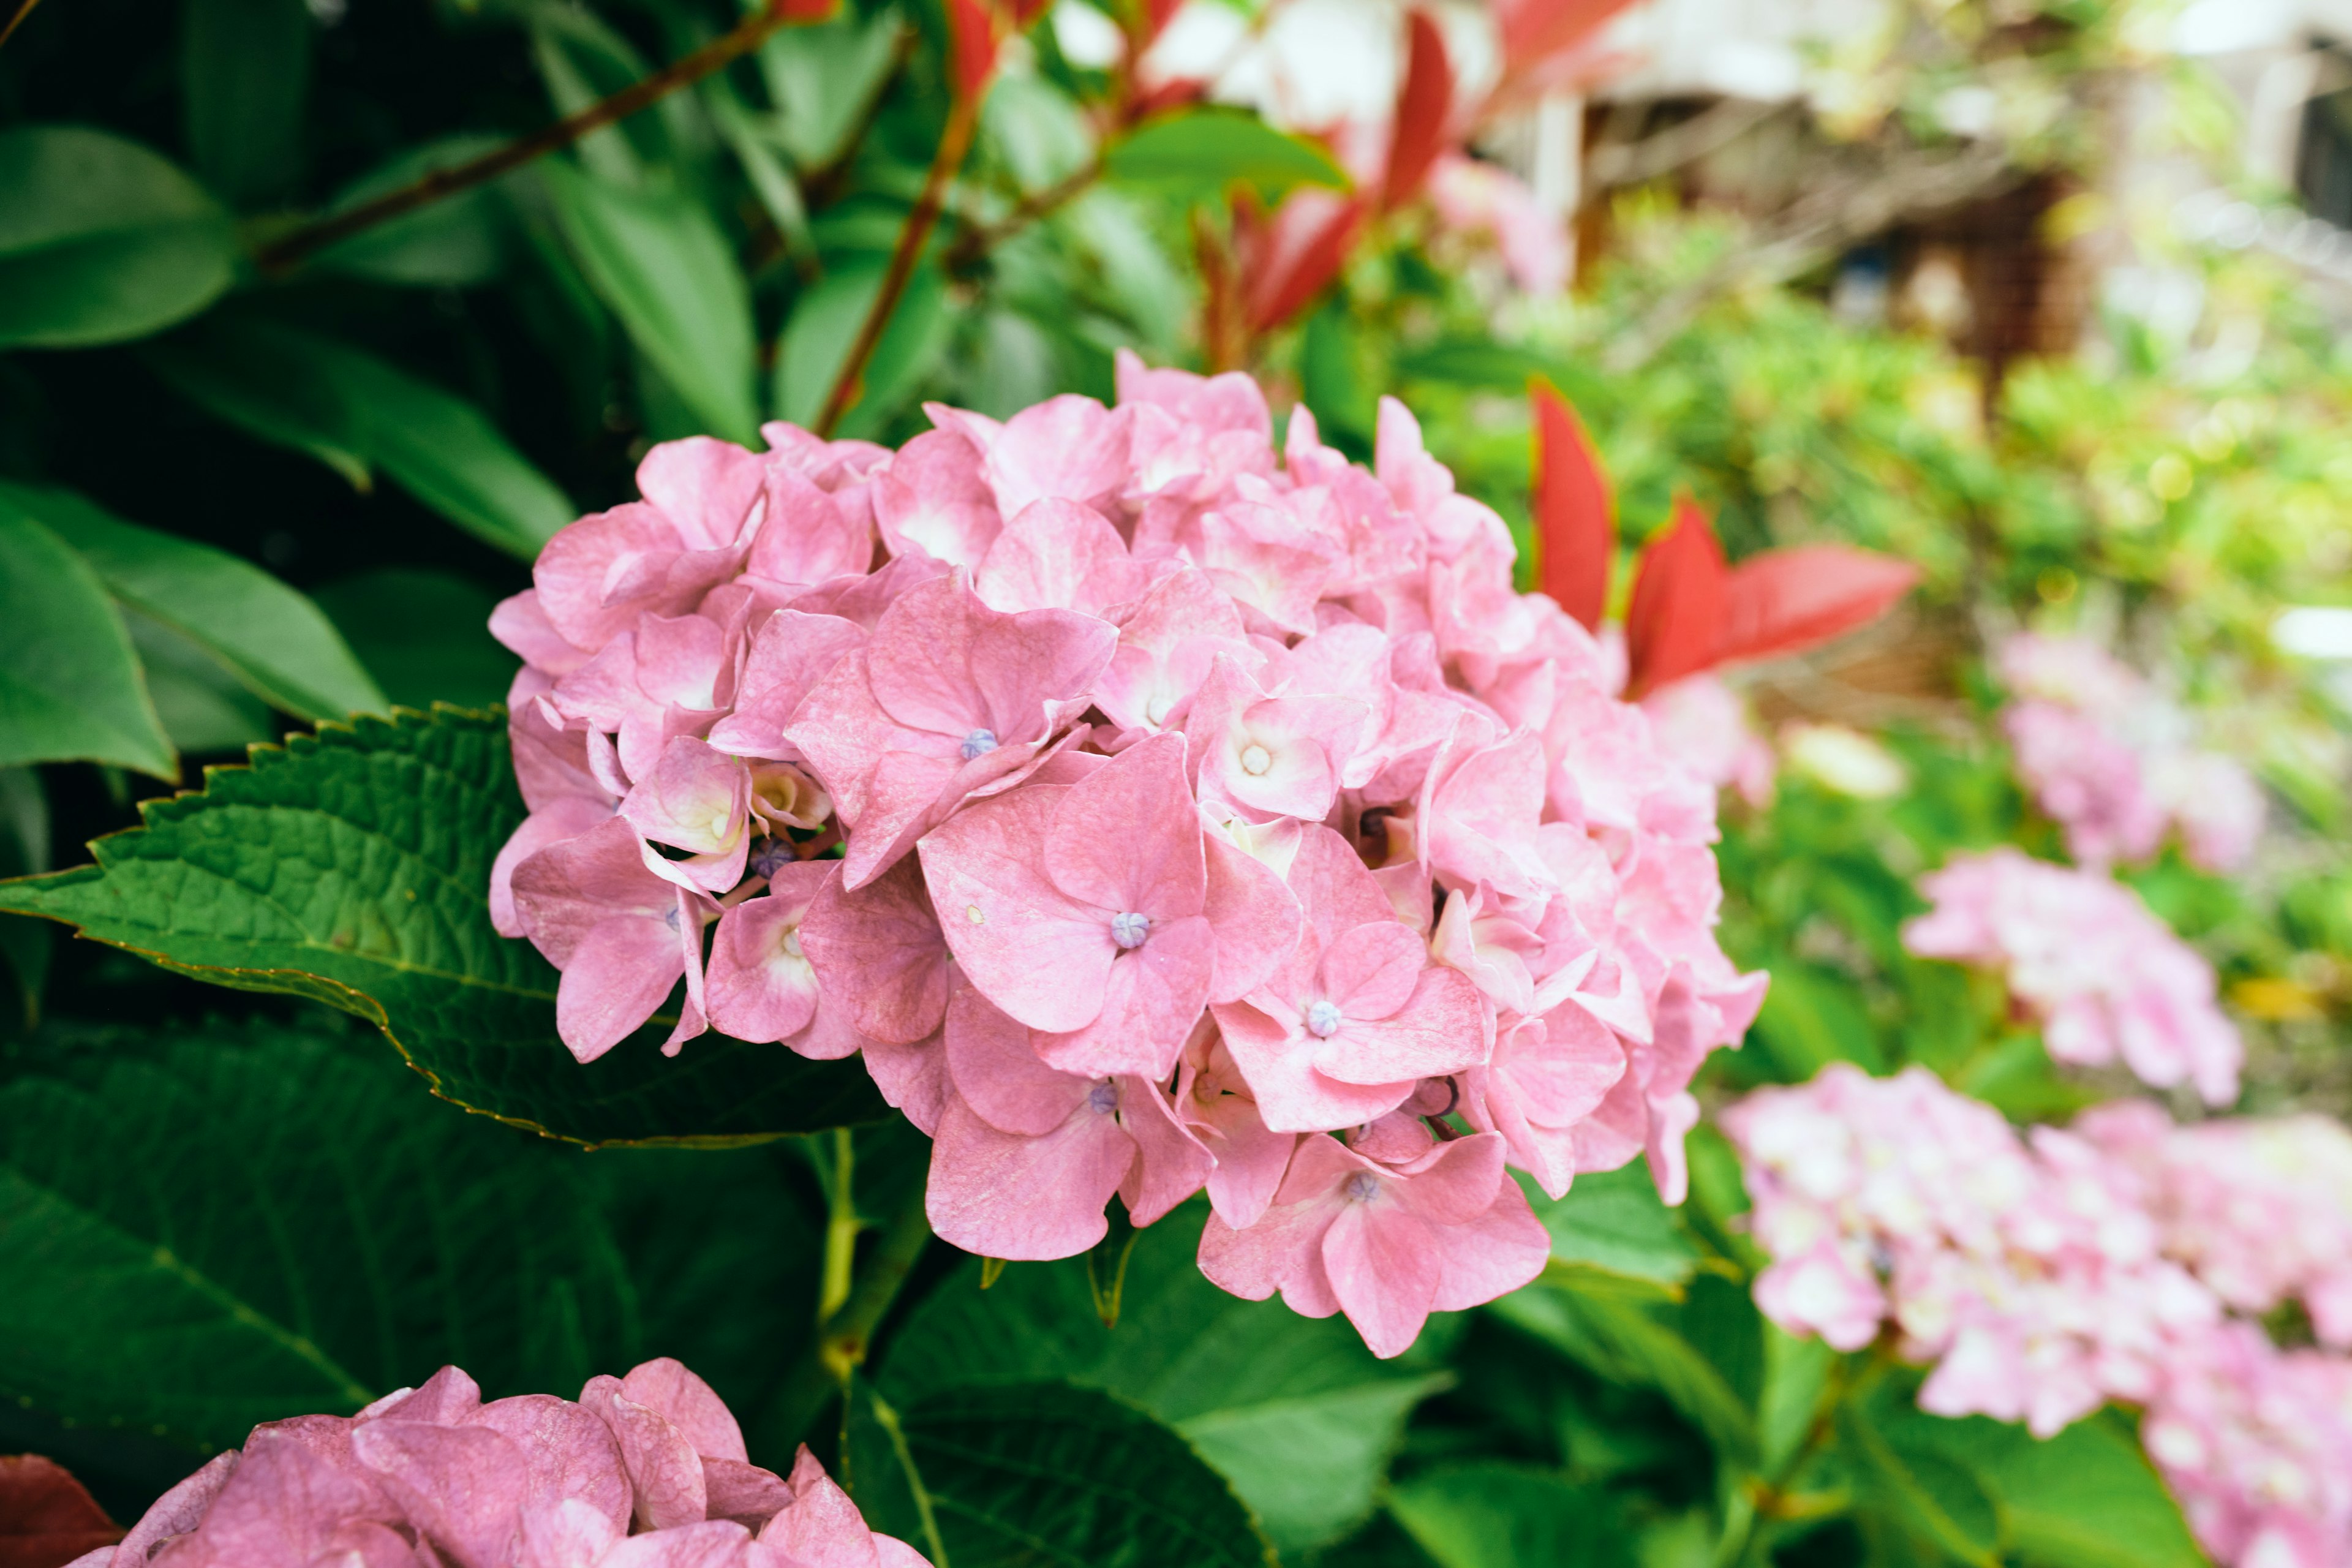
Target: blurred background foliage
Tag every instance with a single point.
(254, 475)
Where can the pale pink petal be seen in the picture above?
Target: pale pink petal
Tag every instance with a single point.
(1151, 998)
(461, 1487)
(760, 985)
(1128, 837)
(1277, 1059)
(998, 1074)
(879, 952)
(714, 1543)
(1383, 1265)
(790, 654)
(1253, 916)
(706, 488)
(567, 1453)
(666, 1387)
(1034, 951)
(665, 1472)
(1170, 1163)
(1003, 1196)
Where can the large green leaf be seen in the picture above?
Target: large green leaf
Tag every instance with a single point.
(1627, 1341)
(2084, 1499)
(273, 640)
(820, 78)
(350, 409)
(667, 271)
(1042, 1475)
(1200, 152)
(251, 1223)
(245, 70)
(102, 240)
(1295, 1412)
(351, 867)
(69, 683)
(1494, 1515)
(1614, 1221)
(452, 242)
(1930, 1489)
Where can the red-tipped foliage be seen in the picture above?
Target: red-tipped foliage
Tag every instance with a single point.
(46, 1517)
(1784, 600)
(1424, 103)
(1678, 609)
(972, 27)
(1285, 260)
(1576, 533)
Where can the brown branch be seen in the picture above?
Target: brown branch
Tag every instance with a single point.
(955, 140)
(17, 20)
(312, 237)
(979, 240)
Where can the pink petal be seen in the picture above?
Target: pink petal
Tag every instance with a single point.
(567, 889)
(1256, 920)
(714, 1543)
(707, 488)
(1003, 1196)
(1493, 1254)
(929, 499)
(461, 1487)
(1058, 554)
(998, 1074)
(879, 952)
(564, 1533)
(1129, 838)
(1153, 997)
(1383, 1265)
(913, 1078)
(567, 1453)
(822, 1527)
(1278, 1060)
(1034, 951)
(1370, 972)
(1069, 447)
(179, 1510)
(1443, 1030)
(618, 976)
(807, 536)
(666, 1387)
(791, 653)
(1170, 1163)
(695, 799)
(759, 985)
(665, 1472)
(567, 817)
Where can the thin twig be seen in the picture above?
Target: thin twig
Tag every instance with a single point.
(955, 140)
(311, 238)
(17, 20)
(979, 240)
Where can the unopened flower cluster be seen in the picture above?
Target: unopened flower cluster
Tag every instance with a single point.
(1206, 816)
(2047, 1275)
(2106, 980)
(2115, 762)
(644, 1471)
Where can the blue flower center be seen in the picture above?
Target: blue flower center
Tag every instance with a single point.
(1103, 1098)
(979, 744)
(1128, 929)
(1323, 1019)
(1362, 1187)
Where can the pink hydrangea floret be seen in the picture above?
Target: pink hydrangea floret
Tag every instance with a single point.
(644, 1471)
(2115, 762)
(1150, 810)
(2106, 980)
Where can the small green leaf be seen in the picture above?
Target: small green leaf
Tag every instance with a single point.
(351, 867)
(102, 240)
(1202, 152)
(245, 70)
(1627, 1342)
(1928, 1488)
(663, 267)
(1614, 1220)
(2084, 1499)
(1295, 1412)
(826, 321)
(1015, 1475)
(273, 640)
(820, 78)
(452, 242)
(351, 410)
(1489, 1514)
(70, 687)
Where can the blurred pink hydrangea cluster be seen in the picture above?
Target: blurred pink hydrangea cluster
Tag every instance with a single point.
(2047, 1275)
(2107, 980)
(645, 1471)
(2113, 761)
(2261, 1208)
(1208, 815)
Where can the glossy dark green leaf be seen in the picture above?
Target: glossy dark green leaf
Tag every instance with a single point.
(1039, 1474)
(1494, 1515)
(352, 411)
(1630, 1342)
(351, 867)
(245, 70)
(1295, 1412)
(102, 240)
(1204, 151)
(667, 271)
(70, 685)
(275, 642)
(204, 710)
(235, 1224)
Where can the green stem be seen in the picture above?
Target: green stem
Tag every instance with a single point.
(887, 1420)
(844, 1335)
(841, 1227)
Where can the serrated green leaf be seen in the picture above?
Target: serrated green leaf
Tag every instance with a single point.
(663, 267)
(244, 68)
(351, 867)
(1037, 1474)
(1204, 151)
(1494, 1515)
(102, 240)
(248, 1223)
(70, 685)
(273, 640)
(351, 410)
(1295, 1412)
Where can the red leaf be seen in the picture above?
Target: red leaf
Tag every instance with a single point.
(46, 1518)
(972, 28)
(1576, 534)
(1157, 15)
(1677, 608)
(803, 10)
(1534, 30)
(1423, 103)
(1780, 600)
(1028, 11)
(1287, 261)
